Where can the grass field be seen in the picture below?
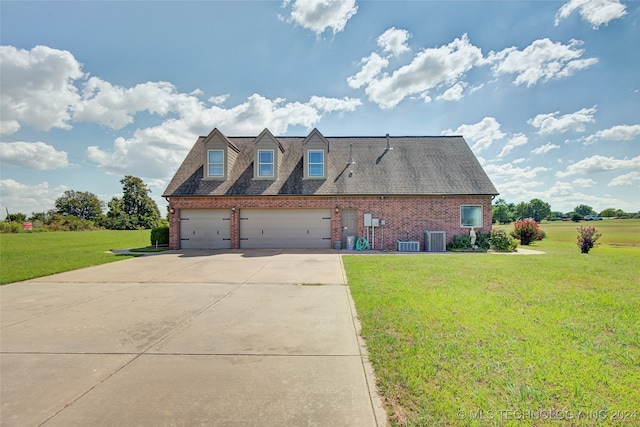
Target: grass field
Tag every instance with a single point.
(28, 255)
(493, 339)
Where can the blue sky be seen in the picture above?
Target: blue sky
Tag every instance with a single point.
(547, 93)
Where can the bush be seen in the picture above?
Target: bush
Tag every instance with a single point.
(462, 242)
(587, 238)
(160, 235)
(501, 241)
(70, 223)
(10, 227)
(459, 242)
(526, 230)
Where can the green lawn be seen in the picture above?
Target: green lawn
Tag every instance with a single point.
(28, 255)
(489, 339)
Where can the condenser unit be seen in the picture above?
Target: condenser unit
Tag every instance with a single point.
(408, 246)
(435, 241)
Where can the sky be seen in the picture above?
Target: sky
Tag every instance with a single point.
(546, 93)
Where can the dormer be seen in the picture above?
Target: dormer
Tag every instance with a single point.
(315, 148)
(267, 156)
(220, 155)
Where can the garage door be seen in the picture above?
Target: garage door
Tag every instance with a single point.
(285, 228)
(205, 228)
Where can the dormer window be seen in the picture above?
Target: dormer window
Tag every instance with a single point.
(265, 163)
(316, 152)
(315, 163)
(215, 163)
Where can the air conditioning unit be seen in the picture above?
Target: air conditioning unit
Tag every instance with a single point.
(435, 241)
(408, 246)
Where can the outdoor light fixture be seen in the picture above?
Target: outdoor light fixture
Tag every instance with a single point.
(172, 211)
(337, 209)
(233, 209)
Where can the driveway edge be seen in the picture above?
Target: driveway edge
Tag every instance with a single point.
(379, 413)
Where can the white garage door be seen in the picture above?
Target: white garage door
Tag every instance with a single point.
(205, 228)
(285, 228)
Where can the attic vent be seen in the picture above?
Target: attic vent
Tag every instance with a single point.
(435, 241)
(408, 246)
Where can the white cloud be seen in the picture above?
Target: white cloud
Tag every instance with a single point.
(509, 173)
(155, 152)
(543, 60)
(545, 148)
(598, 163)
(429, 69)
(626, 179)
(615, 133)
(454, 93)
(8, 127)
(320, 15)
(33, 155)
(372, 65)
(595, 12)
(515, 141)
(115, 106)
(483, 134)
(218, 100)
(394, 40)
(38, 88)
(550, 123)
(18, 197)
(583, 182)
(334, 104)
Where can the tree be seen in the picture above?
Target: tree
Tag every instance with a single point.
(501, 212)
(610, 212)
(539, 209)
(521, 211)
(16, 217)
(135, 209)
(81, 204)
(584, 210)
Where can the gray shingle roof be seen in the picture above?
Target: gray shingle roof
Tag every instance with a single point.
(417, 165)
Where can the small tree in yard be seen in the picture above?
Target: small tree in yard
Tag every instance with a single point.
(526, 230)
(587, 238)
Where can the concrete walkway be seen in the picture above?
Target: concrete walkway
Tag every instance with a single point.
(236, 338)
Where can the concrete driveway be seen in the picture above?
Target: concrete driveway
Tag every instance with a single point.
(236, 338)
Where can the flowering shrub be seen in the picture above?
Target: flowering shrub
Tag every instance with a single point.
(501, 241)
(587, 238)
(526, 230)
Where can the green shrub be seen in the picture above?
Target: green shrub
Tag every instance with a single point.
(459, 242)
(10, 227)
(501, 241)
(482, 240)
(160, 235)
(462, 242)
(70, 223)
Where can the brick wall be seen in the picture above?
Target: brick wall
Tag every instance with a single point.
(402, 214)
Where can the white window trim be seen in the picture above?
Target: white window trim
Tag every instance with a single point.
(315, 163)
(272, 163)
(209, 164)
(481, 216)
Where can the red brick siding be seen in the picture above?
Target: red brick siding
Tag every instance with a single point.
(414, 214)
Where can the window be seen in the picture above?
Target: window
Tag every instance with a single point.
(315, 163)
(471, 216)
(216, 163)
(265, 163)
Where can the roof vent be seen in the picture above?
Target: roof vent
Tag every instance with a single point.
(350, 161)
(389, 147)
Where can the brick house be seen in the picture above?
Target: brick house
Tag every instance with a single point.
(315, 191)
